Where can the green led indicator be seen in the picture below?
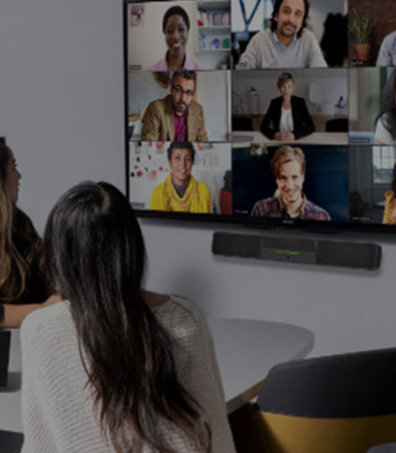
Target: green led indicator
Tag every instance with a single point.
(287, 252)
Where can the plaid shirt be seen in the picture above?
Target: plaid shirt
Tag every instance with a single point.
(274, 208)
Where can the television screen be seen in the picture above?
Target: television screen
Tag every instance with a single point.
(261, 112)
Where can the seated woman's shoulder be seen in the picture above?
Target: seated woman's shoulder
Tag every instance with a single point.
(47, 323)
(49, 313)
(180, 316)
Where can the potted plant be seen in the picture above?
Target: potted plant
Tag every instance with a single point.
(360, 29)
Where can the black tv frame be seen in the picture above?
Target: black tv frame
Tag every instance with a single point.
(241, 220)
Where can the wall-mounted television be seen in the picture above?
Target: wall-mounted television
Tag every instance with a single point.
(260, 112)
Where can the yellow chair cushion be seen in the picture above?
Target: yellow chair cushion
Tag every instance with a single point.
(290, 434)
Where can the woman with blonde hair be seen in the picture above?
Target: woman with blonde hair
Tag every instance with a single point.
(24, 280)
(287, 118)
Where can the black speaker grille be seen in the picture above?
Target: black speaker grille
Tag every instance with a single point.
(293, 249)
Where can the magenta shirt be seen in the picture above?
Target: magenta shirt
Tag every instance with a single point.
(180, 124)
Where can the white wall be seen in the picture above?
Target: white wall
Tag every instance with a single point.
(61, 92)
(346, 309)
(61, 95)
(318, 11)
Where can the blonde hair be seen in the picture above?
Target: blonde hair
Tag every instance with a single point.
(287, 154)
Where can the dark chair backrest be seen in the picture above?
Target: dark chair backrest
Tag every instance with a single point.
(241, 123)
(10, 441)
(335, 404)
(5, 339)
(383, 448)
(337, 125)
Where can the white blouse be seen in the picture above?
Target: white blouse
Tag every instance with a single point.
(286, 120)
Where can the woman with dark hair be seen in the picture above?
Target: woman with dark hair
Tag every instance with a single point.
(115, 368)
(385, 126)
(389, 216)
(24, 280)
(175, 26)
(287, 117)
(181, 192)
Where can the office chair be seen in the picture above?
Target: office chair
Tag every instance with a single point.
(241, 124)
(337, 125)
(10, 441)
(383, 448)
(335, 404)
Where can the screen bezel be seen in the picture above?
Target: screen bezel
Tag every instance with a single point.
(234, 219)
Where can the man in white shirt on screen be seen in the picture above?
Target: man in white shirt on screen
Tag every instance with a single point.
(288, 44)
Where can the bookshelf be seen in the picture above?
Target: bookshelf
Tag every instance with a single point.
(214, 30)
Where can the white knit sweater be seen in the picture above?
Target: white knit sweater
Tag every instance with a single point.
(57, 411)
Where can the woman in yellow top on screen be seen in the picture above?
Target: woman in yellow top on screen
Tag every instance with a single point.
(181, 192)
(175, 26)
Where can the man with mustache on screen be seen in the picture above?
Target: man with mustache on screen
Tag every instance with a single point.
(288, 44)
(176, 117)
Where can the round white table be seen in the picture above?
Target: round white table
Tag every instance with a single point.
(245, 350)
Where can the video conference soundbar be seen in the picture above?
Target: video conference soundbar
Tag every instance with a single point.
(291, 249)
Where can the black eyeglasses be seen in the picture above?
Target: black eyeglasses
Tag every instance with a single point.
(179, 90)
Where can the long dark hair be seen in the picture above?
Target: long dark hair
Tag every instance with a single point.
(387, 114)
(96, 254)
(21, 248)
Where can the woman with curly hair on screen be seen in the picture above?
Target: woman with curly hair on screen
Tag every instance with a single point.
(176, 26)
